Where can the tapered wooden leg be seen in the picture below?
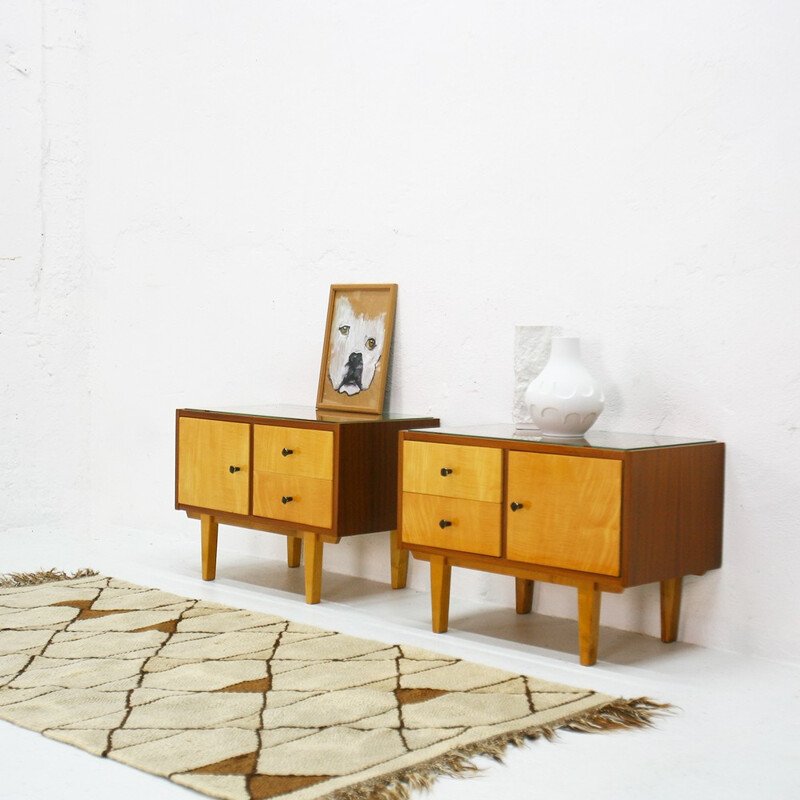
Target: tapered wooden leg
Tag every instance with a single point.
(671, 591)
(588, 622)
(208, 538)
(313, 567)
(524, 595)
(294, 547)
(399, 560)
(440, 593)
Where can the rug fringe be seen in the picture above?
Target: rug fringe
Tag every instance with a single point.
(18, 579)
(639, 712)
(620, 714)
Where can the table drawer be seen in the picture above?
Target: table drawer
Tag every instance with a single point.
(448, 470)
(293, 451)
(306, 501)
(470, 526)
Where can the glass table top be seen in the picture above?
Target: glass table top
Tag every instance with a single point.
(601, 440)
(309, 413)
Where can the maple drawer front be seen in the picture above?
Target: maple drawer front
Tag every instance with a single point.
(214, 464)
(293, 451)
(448, 470)
(564, 511)
(470, 526)
(305, 501)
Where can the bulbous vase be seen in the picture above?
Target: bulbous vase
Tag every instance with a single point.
(564, 400)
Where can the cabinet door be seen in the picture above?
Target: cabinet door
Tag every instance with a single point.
(565, 512)
(214, 464)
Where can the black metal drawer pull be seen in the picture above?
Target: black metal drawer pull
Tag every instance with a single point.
(286, 452)
(444, 523)
(516, 506)
(234, 469)
(286, 500)
(444, 472)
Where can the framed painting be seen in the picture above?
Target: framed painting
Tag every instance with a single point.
(358, 341)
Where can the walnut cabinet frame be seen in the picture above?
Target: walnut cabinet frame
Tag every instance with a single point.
(601, 515)
(314, 477)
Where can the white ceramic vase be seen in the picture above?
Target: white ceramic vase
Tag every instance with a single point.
(564, 400)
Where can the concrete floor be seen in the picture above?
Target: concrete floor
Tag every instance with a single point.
(735, 733)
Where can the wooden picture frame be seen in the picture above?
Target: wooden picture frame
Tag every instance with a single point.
(358, 341)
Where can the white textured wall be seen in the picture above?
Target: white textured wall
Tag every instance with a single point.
(625, 171)
(44, 410)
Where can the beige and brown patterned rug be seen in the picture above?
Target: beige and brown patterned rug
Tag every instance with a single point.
(247, 706)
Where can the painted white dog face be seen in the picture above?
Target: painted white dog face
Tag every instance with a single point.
(356, 348)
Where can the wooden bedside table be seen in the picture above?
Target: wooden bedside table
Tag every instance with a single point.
(602, 513)
(314, 476)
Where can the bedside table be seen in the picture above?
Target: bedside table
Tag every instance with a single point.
(602, 513)
(313, 476)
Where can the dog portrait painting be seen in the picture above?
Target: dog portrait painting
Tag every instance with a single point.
(356, 347)
(356, 352)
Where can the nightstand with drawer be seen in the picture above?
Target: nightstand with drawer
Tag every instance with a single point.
(603, 513)
(313, 476)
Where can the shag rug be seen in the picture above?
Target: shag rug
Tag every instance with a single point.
(247, 706)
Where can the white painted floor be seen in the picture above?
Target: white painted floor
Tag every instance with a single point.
(736, 733)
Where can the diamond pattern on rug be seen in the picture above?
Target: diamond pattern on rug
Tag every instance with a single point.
(247, 706)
